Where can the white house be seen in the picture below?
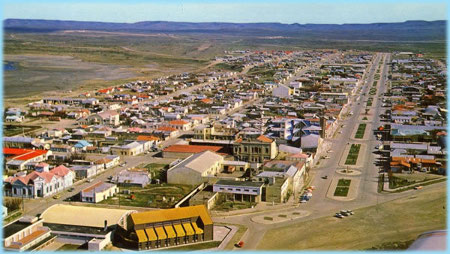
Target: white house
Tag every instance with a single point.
(282, 91)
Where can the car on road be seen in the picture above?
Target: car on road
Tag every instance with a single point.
(418, 187)
(56, 196)
(89, 180)
(71, 189)
(324, 177)
(240, 244)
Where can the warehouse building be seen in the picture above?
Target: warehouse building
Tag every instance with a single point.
(170, 227)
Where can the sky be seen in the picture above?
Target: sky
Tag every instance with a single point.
(283, 11)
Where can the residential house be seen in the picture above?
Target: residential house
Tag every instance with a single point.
(98, 192)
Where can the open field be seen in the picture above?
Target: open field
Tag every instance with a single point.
(395, 221)
(45, 73)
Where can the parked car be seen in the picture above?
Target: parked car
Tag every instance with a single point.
(324, 177)
(71, 189)
(418, 187)
(338, 215)
(239, 244)
(344, 212)
(56, 196)
(89, 180)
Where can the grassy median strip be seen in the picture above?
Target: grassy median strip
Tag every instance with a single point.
(352, 156)
(341, 191)
(360, 131)
(342, 187)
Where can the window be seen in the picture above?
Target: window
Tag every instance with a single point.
(247, 190)
(230, 189)
(255, 190)
(221, 188)
(238, 189)
(267, 150)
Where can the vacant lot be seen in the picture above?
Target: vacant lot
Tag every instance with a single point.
(395, 221)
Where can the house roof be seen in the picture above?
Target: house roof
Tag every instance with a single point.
(178, 122)
(166, 128)
(264, 139)
(191, 148)
(61, 171)
(98, 187)
(23, 154)
(147, 138)
(92, 216)
(172, 214)
(239, 183)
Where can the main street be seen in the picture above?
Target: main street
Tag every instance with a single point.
(321, 205)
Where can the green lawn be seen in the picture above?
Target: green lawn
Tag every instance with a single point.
(360, 131)
(402, 180)
(352, 156)
(341, 191)
(342, 187)
(344, 182)
(151, 196)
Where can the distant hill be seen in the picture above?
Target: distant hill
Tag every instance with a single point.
(402, 31)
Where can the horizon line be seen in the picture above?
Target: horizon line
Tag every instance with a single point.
(222, 22)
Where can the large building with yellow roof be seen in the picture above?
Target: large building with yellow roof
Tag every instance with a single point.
(170, 227)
